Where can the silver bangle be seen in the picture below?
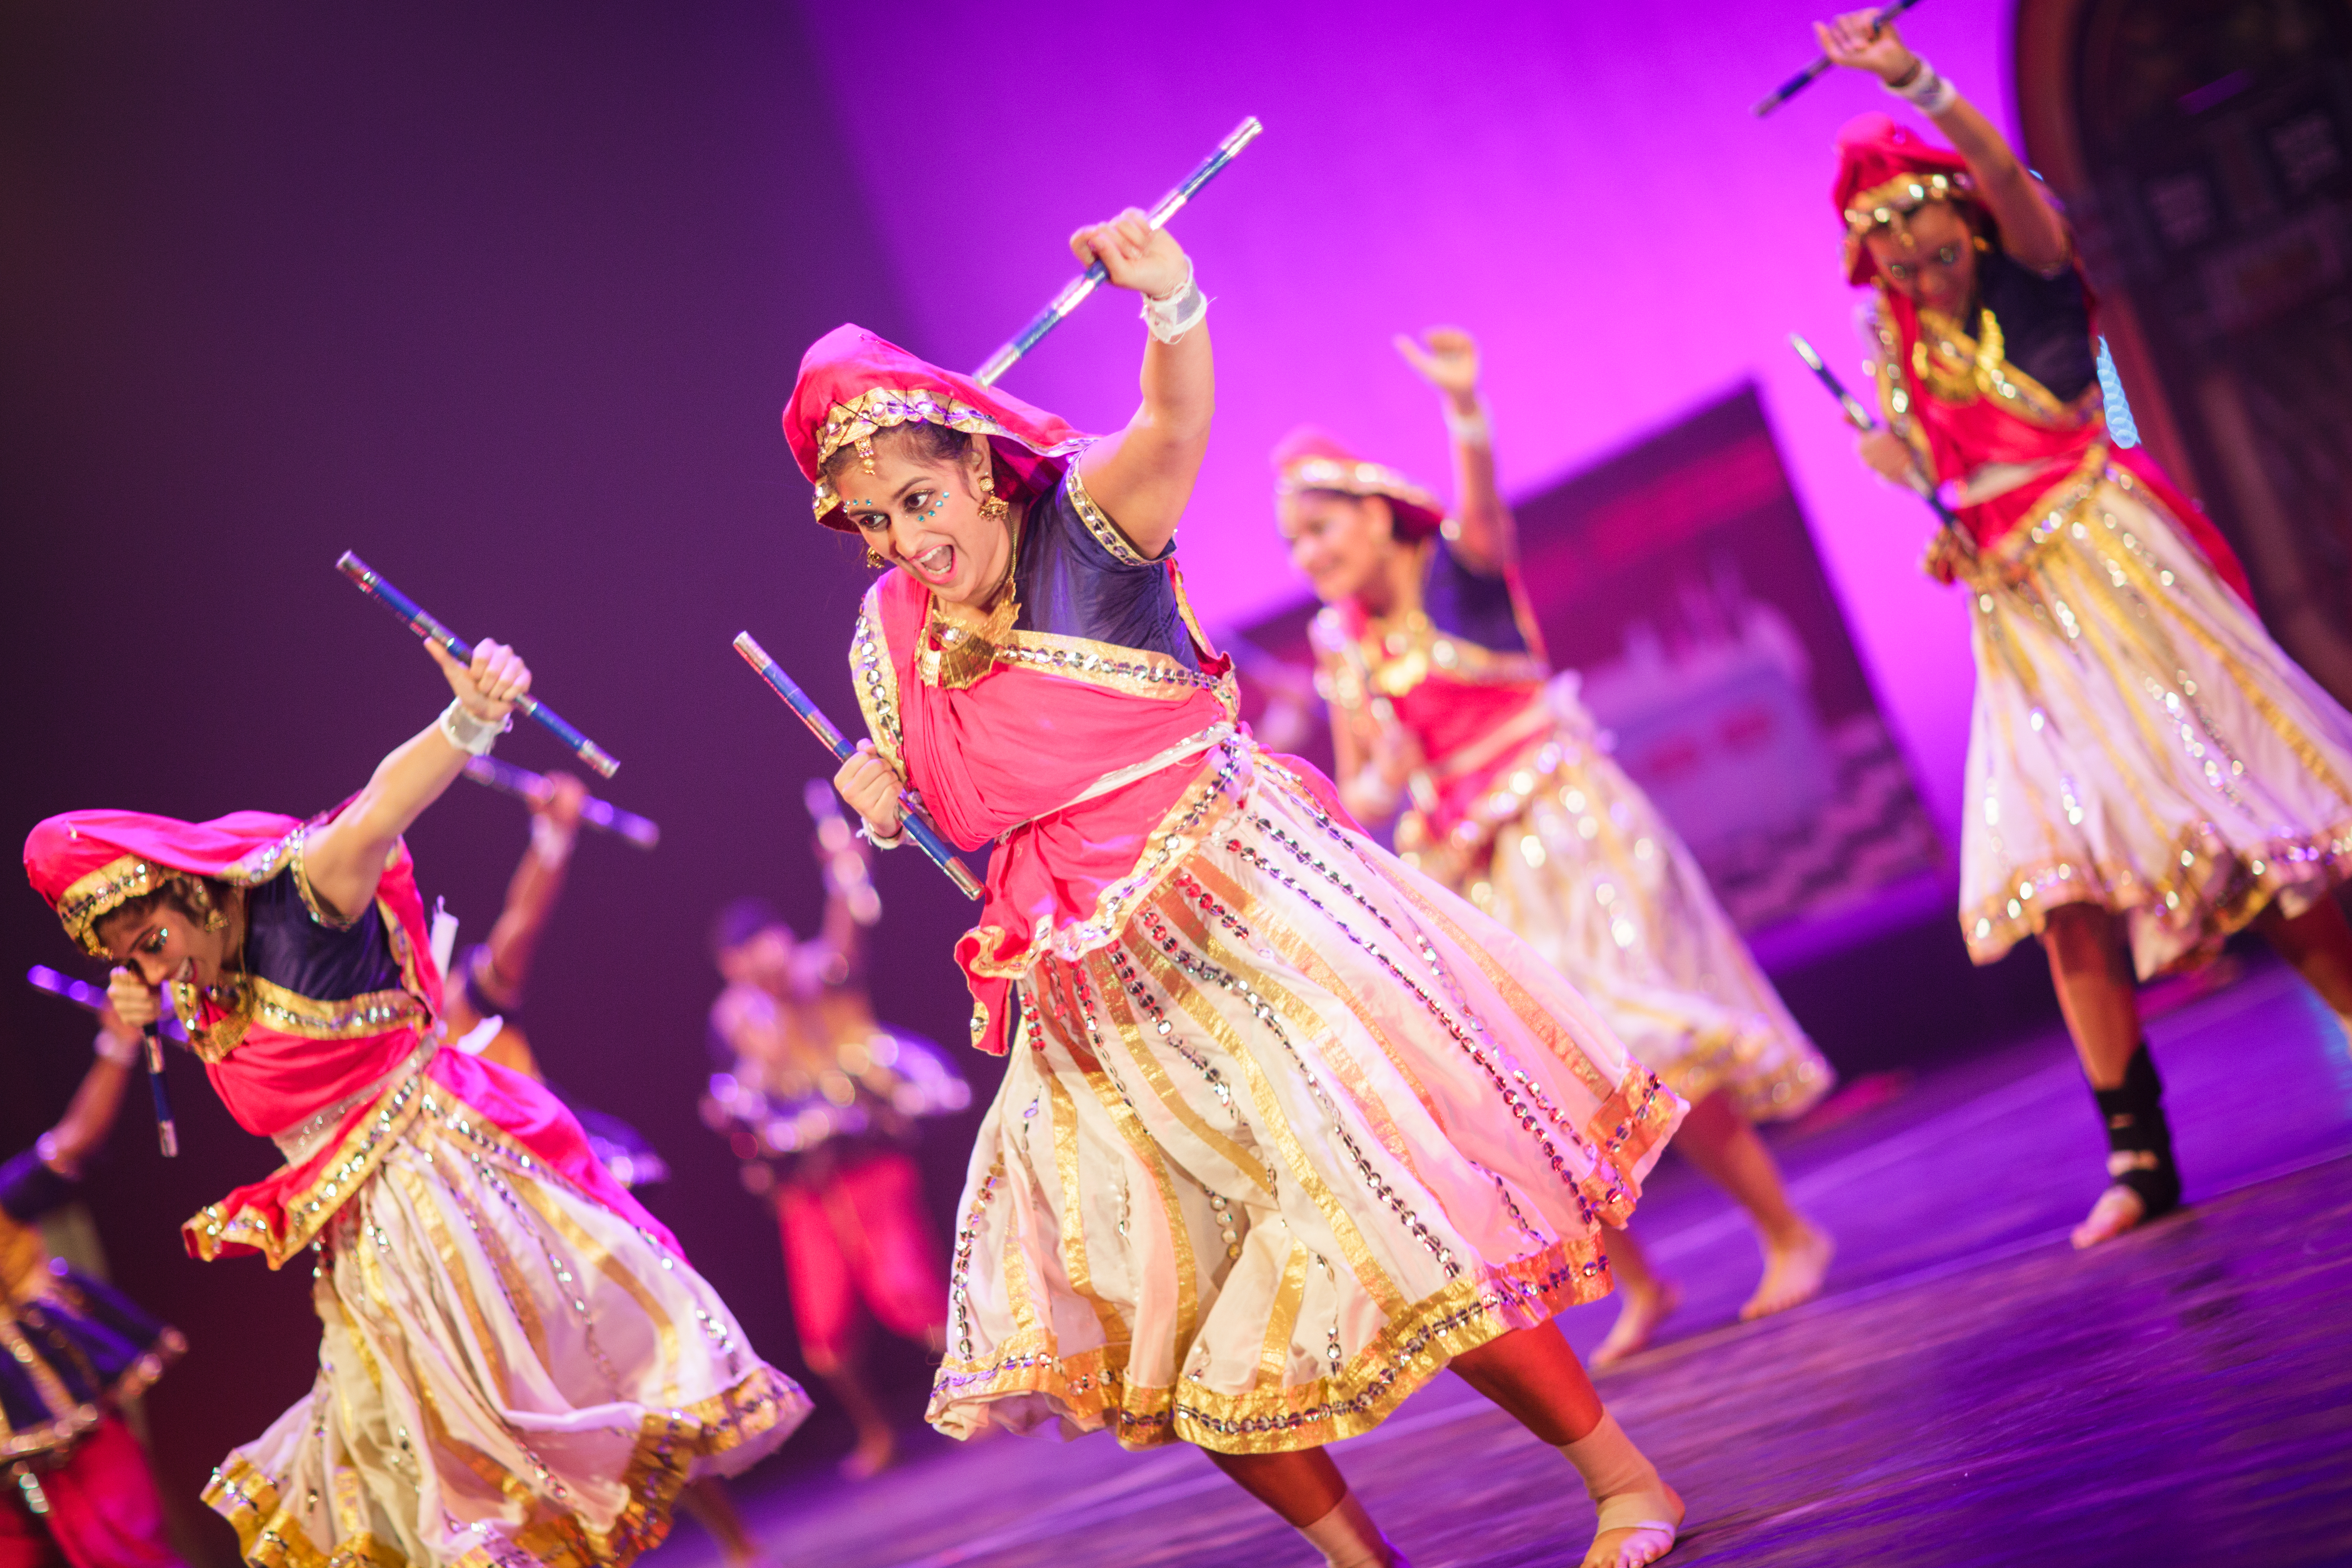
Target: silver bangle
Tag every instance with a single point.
(1930, 91)
(866, 831)
(1181, 310)
(1472, 429)
(473, 736)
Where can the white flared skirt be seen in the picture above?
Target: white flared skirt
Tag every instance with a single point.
(1304, 1129)
(2139, 741)
(1577, 861)
(511, 1374)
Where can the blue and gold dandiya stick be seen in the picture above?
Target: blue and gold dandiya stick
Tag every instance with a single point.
(373, 584)
(1075, 294)
(81, 993)
(1806, 77)
(911, 819)
(525, 785)
(1859, 417)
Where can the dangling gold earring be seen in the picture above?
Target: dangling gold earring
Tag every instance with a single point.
(876, 560)
(992, 506)
(209, 913)
(1984, 246)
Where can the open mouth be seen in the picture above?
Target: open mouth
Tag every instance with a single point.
(935, 565)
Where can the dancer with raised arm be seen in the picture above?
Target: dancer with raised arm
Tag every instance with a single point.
(1446, 716)
(75, 1491)
(820, 1101)
(519, 1366)
(1285, 1127)
(2148, 771)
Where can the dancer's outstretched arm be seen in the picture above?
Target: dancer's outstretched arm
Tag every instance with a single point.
(1447, 358)
(2031, 229)
(531, 892)
(344, 860)
(1143, 476)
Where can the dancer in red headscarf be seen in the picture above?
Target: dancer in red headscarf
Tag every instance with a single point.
(2148, 771)
(1438, 686)
(1286, 1127)
(519, 1366)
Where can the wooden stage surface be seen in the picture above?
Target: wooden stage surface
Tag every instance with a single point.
(1969, 1390)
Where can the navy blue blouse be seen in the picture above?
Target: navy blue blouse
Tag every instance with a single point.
(1080, 578)
(287, 945)
(2045, 323)
(1471, 605)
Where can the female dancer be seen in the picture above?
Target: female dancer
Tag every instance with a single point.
(2145, 765)
(1286, 1127)
(518, 1367)
(78, 1493)
(1435, 674)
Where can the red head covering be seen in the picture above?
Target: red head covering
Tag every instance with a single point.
(1308, 459)
(1885, 170)
(852, 384)
(88, 864)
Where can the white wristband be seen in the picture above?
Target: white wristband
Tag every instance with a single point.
(1471, 429)
(866, 831)
(473, 736)
(1932, 92)
(1174, 314)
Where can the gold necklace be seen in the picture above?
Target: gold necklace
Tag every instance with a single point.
(961, 643)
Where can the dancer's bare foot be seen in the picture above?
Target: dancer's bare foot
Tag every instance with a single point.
(1793, 1271)
(1642, 1543)
(876, 1452)
(2119, 1209)
(1641, 1310)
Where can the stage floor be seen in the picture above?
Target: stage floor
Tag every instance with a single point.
(1969, 1390)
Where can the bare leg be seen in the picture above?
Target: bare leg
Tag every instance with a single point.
(877, 1441)
(1308, 1491)
(1535, 1377)
(1644, 1301)
(2318, 943)
(2097, 995)
(1724, 1145)
(708, 1504)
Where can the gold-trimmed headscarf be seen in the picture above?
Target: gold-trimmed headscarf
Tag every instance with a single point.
(1308, 460)
(852, 384)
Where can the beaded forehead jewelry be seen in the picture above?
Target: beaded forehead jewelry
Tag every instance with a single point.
(866, 453)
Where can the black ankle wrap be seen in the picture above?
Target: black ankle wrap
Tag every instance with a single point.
(2139, 1139)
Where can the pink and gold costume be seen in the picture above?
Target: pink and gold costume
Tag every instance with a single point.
(519, 1366)
(1533, 822)
(2138, 741)
(1286, 1125)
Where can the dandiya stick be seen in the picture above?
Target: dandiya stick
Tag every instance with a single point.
(1806, 77)
(1074, 293)
(911, 819)
(523, 784)
(81, 993)
(371, 581)
(1859, 417)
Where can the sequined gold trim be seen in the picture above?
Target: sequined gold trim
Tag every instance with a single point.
(1134, 671)
(1907, 192)
(1091, 1388)
(307, 1211)
(1107, 534)
(875, 675)
(93, 896)
(1354, 478)
(880, 407)
(1187, 825)
(270, 1533)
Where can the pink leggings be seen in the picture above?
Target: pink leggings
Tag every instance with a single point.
(861, 1232)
